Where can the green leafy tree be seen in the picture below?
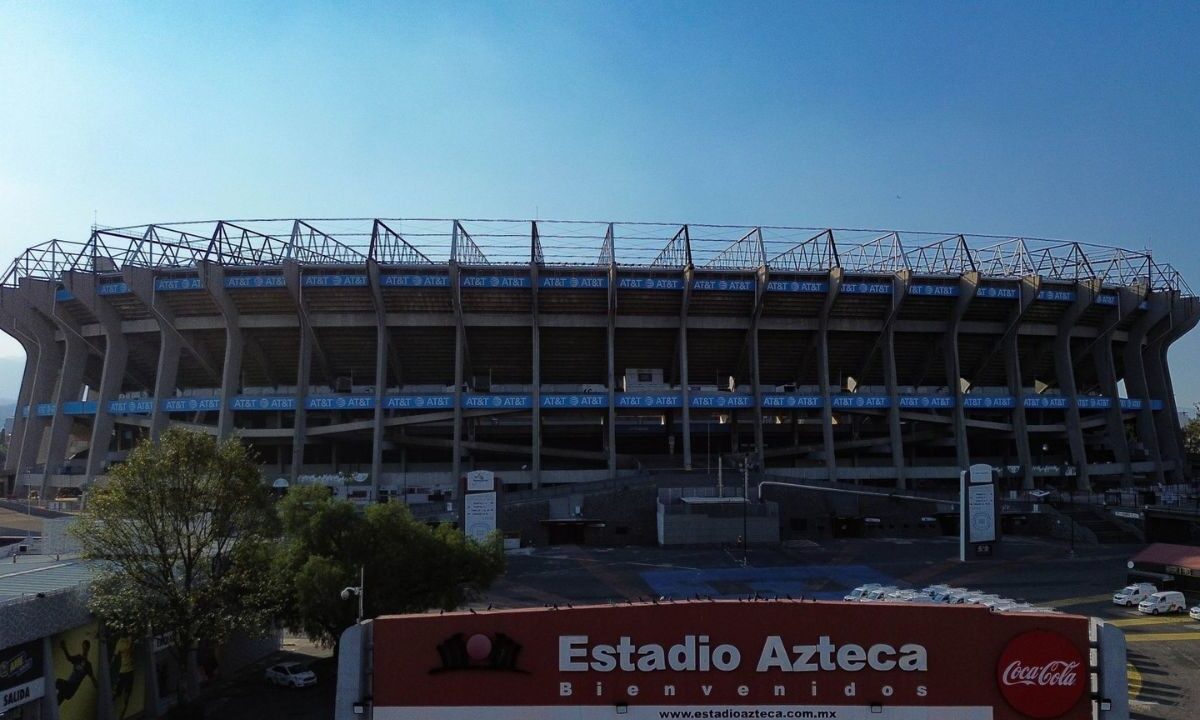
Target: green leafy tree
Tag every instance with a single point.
(184, 529)
(1191, 433)
(408, 565)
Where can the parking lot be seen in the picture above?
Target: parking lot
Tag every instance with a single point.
(1164, 651)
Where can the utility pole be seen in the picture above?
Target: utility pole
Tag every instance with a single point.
(745, 512)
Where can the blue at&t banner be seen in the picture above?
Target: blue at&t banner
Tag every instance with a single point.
(791, 401)
(172, 284)
(254, 281)
(191, 404)
(989, 402)
(419, 402)
(318, 281)
(722, 400)
(649, 400)
(573, 401)
(573, 282)
(723, 285)
(414, 281)
(819, 287)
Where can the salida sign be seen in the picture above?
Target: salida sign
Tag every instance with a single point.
(725, 659)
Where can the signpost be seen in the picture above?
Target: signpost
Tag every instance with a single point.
(977, 511)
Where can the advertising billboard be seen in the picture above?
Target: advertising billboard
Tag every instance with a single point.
(76, 672)
(729, 659)
(22, 675)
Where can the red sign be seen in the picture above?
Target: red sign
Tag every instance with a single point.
(1042, 674)
(713, 659)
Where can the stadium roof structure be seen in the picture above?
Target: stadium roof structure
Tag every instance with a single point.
(580, 244)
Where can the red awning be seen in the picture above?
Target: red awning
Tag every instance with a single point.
(1187, 556)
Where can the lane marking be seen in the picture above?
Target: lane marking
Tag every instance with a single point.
(1179, 620)
(1083, 600)
(1134, 677)
(1161, 637)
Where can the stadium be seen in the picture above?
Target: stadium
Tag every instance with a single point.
(405, 352)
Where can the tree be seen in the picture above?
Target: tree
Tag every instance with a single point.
(408, 565)
(183, 528)
(1191, 433)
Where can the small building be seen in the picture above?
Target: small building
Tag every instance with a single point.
(699, 516)
(1170, 567)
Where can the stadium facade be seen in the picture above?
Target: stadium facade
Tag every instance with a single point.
(408, 351)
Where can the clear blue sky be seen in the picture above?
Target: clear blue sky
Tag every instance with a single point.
(1073, 120)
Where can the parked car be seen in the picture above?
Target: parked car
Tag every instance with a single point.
(878, 594)
(1194, 613)
(1133, 594)
(857, 593)
(1165, 601)
(291, 674)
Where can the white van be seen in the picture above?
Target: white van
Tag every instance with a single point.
(1166, 601)
(1133, 594)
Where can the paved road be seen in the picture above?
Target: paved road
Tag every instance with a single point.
(1164, 653)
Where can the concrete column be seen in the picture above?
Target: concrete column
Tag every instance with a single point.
(1185, 313)
(761, 278)
(968, 285)
(1136, 382)
(70, 382)
(685, 394)
(610, 346)
(9, 324)
(141, 283)
(900, 283)
(535, 331)
(49, 361)
(835, 283)
(1106, 372)
(116, 353)
(1159, 386)
(212, 278)
(1064, 366)
(459, 341)
(382, 347)
(1030, 286)
(42, 299)
(294, 281)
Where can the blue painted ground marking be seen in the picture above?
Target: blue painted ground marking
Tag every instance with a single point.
(825, 582)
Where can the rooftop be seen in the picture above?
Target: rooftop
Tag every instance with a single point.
(415, 242)
(26, 576)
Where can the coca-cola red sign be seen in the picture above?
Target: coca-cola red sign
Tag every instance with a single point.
(1041, 674)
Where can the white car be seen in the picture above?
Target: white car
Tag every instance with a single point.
(981, 598)
(1133, 594)
(934, 590)
(878, 594)
(1165, 601)
(857, 593)
(291, 674)
(1194, 613)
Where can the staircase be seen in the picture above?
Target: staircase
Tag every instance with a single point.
(1106, 530)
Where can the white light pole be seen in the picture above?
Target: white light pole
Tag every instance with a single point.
(356, 591)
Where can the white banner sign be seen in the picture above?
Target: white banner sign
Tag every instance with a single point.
(981, 505)
(481, 481)
(480, 514)
(980, 474)
(21, 694)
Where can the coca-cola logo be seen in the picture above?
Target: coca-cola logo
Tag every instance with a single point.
(1041, 674)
